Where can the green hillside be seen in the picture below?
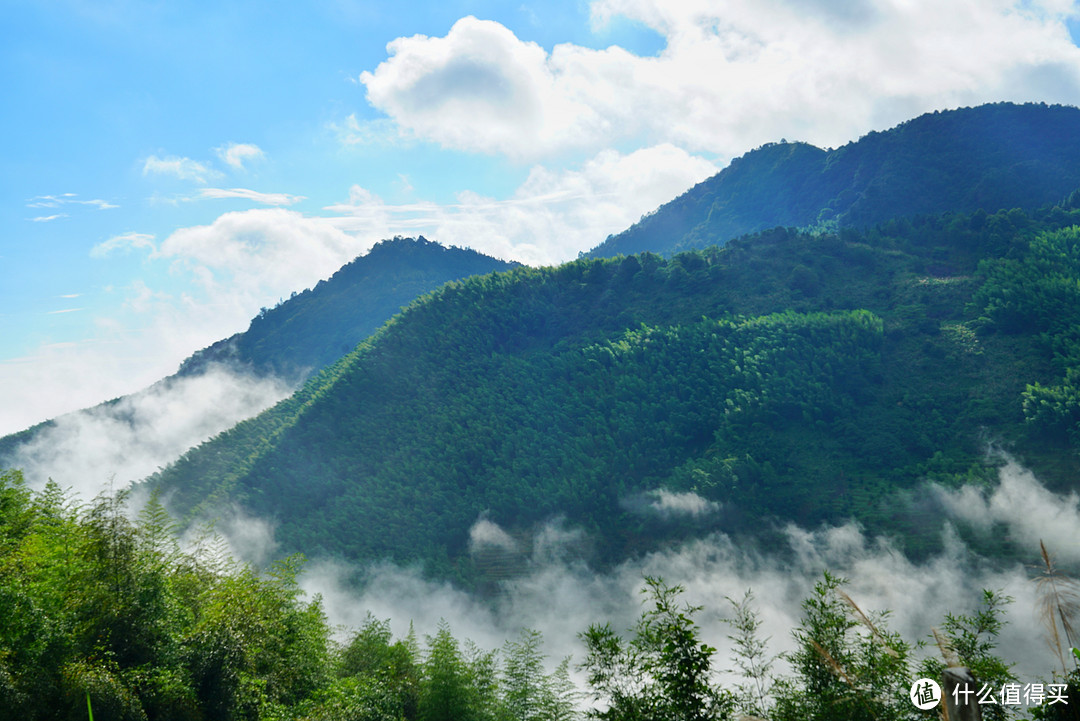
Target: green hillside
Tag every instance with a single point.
(990, 157)
(314, 328)
(788, 375)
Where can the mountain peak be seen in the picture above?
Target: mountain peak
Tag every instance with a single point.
(988, 157)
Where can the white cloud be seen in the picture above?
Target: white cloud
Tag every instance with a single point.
(123, 243)
(55, 201)
(381, 131)
(254, 195)
(233, 267)
(732, 75)
(484, 535)
(131, 439)
(183, 168)
(1029, 511)
(552, 216)
(667, 503)
(562, 598)
(48, 218)
(236, 154)
(246, 256)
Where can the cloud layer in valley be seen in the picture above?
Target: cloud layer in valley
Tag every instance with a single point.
(561, 597)
(129, 439)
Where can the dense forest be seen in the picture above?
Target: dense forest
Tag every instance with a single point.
(107, 615)
(790, 375)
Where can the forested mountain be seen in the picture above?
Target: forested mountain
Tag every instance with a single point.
(813, 374)
(314, 328)
(787, 375)
(310, 330)
(990, 157)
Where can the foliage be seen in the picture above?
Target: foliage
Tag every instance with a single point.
(751, 656)
(100, 610)
(847, 664)
(662, 673)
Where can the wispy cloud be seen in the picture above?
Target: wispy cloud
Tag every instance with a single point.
(552, 216)
(236, 154)
(133, 437)
(48, 218)
(123, 243)
(183, 168)
(253, 195)
(65, 310)
(378, 132)
(56, 201)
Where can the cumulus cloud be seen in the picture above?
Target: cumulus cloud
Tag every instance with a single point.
(130, 439)
(731, 76)
(235, 155)
(479, 88)
(245, 194)
(183, 168)
(552, 216)
(247, 256)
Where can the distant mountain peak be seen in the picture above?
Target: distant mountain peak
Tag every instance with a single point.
(988, 157)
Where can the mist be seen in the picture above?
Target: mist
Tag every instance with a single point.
(117, 443)
(560, 596)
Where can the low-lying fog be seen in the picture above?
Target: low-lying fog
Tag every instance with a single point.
(561, 597)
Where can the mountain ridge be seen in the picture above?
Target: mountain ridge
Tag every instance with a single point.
(301, 335)
(989, 157)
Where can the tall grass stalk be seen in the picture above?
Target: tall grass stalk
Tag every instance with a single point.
(1059, 602)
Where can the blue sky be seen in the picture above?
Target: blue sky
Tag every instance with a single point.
(169, 168)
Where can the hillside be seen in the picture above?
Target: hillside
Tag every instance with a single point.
(990, 157)
(301, 335)
(787, 376)
(315, 327)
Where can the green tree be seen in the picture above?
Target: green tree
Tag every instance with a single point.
(972, 638)
(751, 657)
(662, 673)
(846, 665)
(454, 687)
(530, 694)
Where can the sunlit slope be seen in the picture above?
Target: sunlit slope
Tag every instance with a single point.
(314, 328)
(300, 335)
(786, 376)
(989, 157)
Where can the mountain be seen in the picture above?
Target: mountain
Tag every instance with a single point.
(319, 325)
(989, 157)
(636, 401)
(239, 376)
